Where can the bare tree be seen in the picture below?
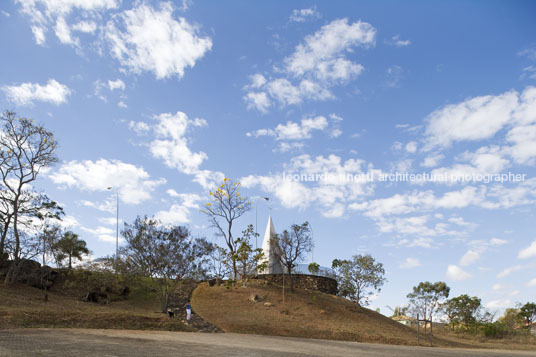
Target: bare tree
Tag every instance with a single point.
(226, 207)
(25, 148)
(293, 245)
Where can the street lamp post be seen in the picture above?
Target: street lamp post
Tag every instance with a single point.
(116, 223)
(256, 216)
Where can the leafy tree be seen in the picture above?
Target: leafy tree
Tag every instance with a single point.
(71, 247)
(226, 206)
(427, 298)
(25, 149)
(463, 309)
(246, 257)
(293, 245)
(359, 277)
(400, 311)
(313, 268)
(511, 319)
(165, 254)
(528, 313)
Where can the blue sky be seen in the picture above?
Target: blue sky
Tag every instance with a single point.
(161, 100)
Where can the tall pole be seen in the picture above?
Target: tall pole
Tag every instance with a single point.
(117, 226)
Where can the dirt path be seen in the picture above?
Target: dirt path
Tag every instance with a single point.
(80, 342)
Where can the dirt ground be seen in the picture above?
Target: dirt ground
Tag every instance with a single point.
(80, 342)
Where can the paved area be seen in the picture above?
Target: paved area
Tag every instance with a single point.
(80, 342)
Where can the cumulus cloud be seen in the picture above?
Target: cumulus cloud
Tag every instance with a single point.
(117, 84)
(153, 40)
(330, 195)
(469, 258)
(292, 131)
(484, 117)
(104, 234)
(474, 119)
(499, 304)
(410, 263)
(171, 145)
(45, 14)
(528, 252)
(509, 270)
(456, 273)
(133, 183)
(317, 64)
(179, 212)
(28, 93)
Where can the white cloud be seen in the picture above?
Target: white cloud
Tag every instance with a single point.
(323, 54)
(410, 263)
(497, 287)
(45, 14)
(411, 147)
(117, 84)
(394, 75)
(302, 15)
(317, 64)
(104, 234)
(456, 273)
(148, 39)
(63, 32)
(122, 104)
(469, 258)
(528, 252)
(529, 72)
(499, 304)
(133, 183)
(26, 93)
(294, 131)
(329, 195)
(497, 241)
(179, 213)
(474, 119)
(509, 271)
(258, 100)
(531, 283)
(482, 118)
(171, 143)
(139, 127)
(529, 52)
(85, 27)
(396, 41)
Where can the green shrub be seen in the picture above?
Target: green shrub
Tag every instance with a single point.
(495, 329)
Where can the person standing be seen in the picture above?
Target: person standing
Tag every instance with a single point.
(188, 311)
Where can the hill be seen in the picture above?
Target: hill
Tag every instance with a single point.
(313, 314)
(304, 313)
(23, 306)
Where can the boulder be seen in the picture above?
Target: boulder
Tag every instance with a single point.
(254, 298)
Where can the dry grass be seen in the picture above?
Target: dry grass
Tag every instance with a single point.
(23, 306)
(312, 315)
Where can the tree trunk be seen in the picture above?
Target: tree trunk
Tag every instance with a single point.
(70, 262)
(4, 235)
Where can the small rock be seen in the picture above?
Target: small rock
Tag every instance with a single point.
(268, 304)
(254, 298)
(322, 312)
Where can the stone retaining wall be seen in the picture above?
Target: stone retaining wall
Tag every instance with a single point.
(303, 281)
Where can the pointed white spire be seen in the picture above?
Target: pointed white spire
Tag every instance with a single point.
(271, 253)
